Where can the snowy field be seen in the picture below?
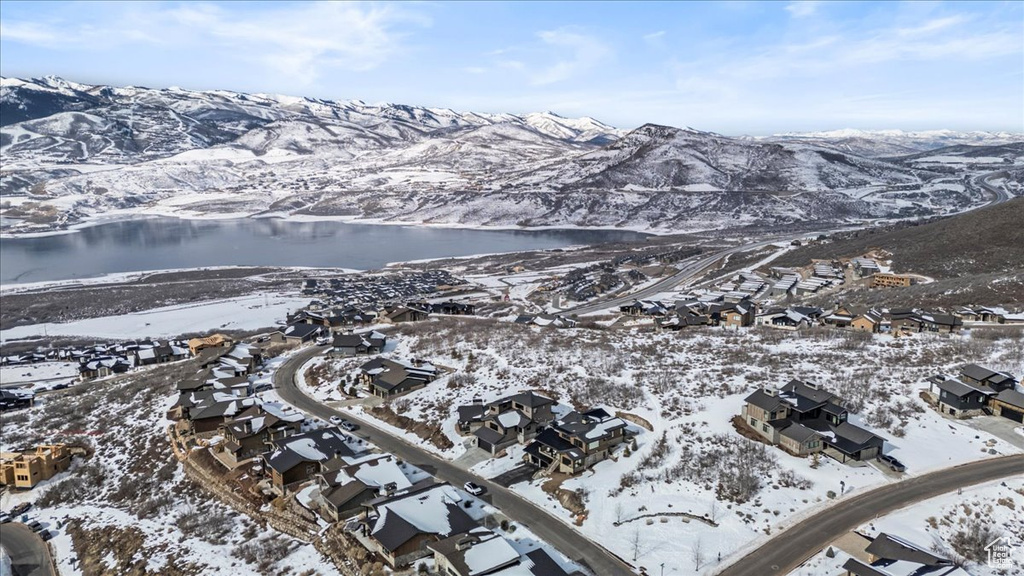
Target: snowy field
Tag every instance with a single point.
(49, 372)
(242, 313)
(688, 386)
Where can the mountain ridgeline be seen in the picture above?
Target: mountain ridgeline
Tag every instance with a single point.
(74, 151)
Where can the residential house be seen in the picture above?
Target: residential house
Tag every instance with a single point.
(737, 314)
(353, 344)
(401, 525)
(1008, 403)
(396, 314)
(298, 458)
(15, 399)
(507, 421)
(103, 366)
(482, 552)
(960, 399)
(890, 555)
(252, 433)
(784, 319)
(844, 315)
(298, 333)
(344, 488)
(577, 441)
(206, 410)
(870, 321)
(980, 376)
(27, 468)
(387, 378)
(819, 419)
(157, 353)
(197, 345)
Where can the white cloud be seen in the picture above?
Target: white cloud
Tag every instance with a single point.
(802, 8)
(295, 41)
(655, 39)
(575, 53)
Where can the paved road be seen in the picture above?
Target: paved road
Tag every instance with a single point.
(790, 548)
(544, 525)
(29, 554)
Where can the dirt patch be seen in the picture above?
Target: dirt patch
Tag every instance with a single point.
(641, 422)
(572, 500)
(428, 432)
(96, 547)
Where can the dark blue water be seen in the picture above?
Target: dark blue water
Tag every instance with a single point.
(162, 243)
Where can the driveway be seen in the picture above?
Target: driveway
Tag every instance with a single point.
(1002, 428)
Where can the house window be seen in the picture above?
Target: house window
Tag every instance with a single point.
(22, 478)
(753, 422)
(764, 427)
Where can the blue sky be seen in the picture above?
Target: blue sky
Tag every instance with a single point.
(734, 68)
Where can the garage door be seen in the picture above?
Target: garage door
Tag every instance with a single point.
(1015, 415)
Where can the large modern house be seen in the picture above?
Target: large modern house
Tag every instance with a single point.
(577, 441)
(507, 421)
(804, 418)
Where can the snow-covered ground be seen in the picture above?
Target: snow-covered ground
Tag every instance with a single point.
(242, 313)
(41, 373)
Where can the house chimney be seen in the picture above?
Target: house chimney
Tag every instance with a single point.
(464, 543)
(771, 391)
(812, 385)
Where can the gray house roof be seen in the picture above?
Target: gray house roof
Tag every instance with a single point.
(961, 389)
(895, 548)
(799, 433)
(766, 401)
(1011, 397)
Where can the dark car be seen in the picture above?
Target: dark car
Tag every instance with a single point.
(46, 535)
(34, 526)
(21, 509)
(893, 464)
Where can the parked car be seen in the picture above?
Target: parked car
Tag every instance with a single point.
(893, 464)
(336, 420)
(46, 535)
(473, 489)
(349, 426)
(34, 526)
(21, 509)
(5, 518)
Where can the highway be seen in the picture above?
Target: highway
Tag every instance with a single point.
(30, 556)
(548, 528)
(787, 550)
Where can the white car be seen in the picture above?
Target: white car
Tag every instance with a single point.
(336, 420)
(473, 489)
(349, 426)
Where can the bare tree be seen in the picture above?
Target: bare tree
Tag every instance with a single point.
(713, 512)
(635, 543)
(619, 513)
(697, 554)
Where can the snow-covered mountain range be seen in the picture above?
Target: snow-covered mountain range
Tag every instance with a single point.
(73, 151)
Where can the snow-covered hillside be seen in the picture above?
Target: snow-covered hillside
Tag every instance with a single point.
(74, 152)
(888, 143)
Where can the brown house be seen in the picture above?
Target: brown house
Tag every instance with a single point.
(506, 421)
(386, 378)
(299, 458)
(401, 525)
(253, 432)
(572, 444)
(30, 467)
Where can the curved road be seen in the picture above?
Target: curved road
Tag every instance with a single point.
(787, 550)
(29, 554)
(543, 524)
